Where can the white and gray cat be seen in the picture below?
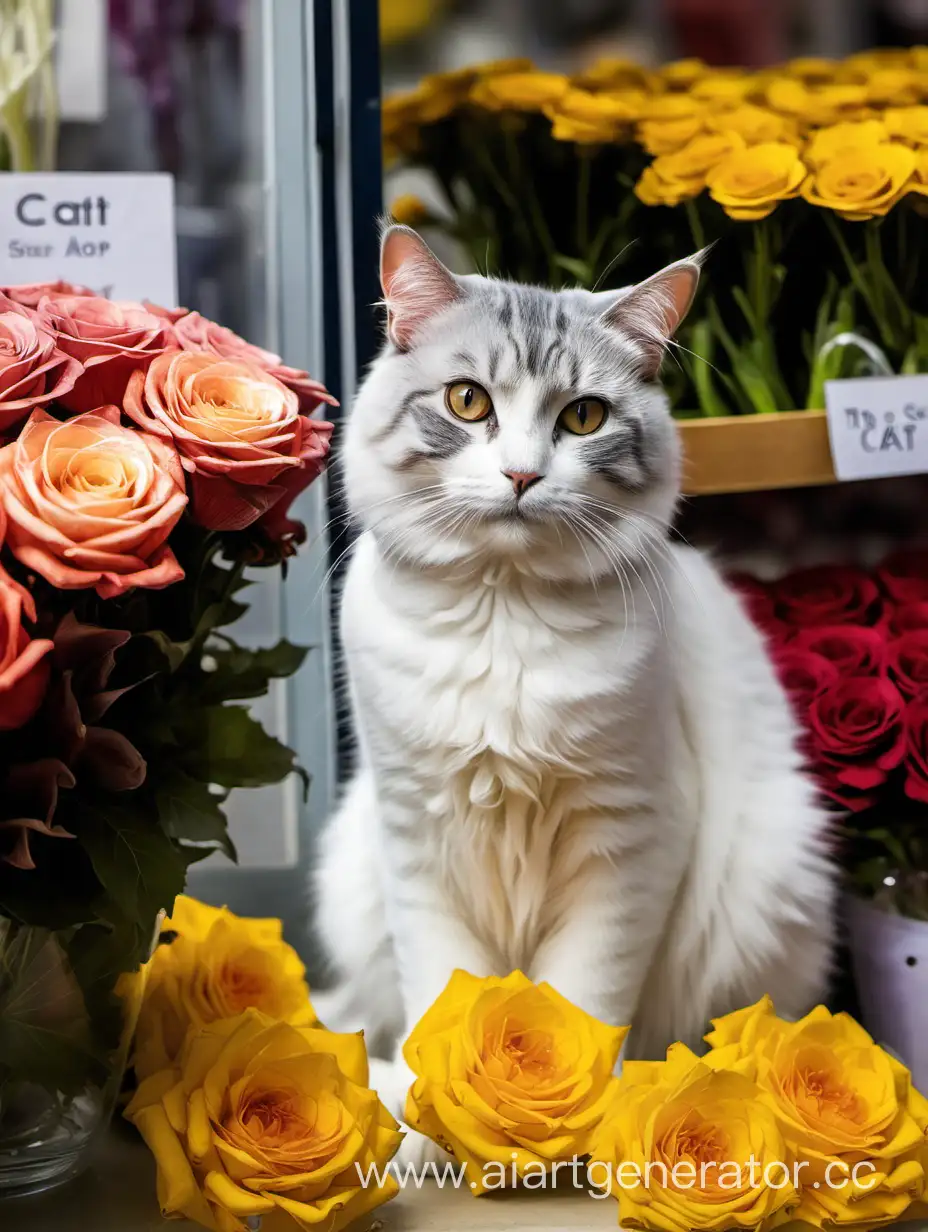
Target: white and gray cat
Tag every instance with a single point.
(575, 757)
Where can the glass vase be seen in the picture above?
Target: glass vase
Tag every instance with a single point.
(67, 1015)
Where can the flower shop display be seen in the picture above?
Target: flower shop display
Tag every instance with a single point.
(809, 179)
(851, 647)
(147, 457)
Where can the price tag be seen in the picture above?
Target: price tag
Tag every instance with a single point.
(878, 426)
(112, 233)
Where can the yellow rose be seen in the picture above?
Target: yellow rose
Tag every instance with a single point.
(754, 124)
(907, 124)
(920, 182)
(688, 1144)
(682, 74)
(588, 118)
(217, 965)
(673, 178)
(818, 105)
(409, 210)
(510, 1077)
(669, 122)
(723, 88)
(519, 91)
(811, 70)
(863, 64)
(260, 1118)
(842, 1104)
(862, 183)
(750, 183)
(840, 139)
(614, 74)
(895, 86)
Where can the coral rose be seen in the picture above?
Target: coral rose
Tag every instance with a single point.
(751, 183)
(33, 370)
(29, 294)
(263, 1119)
(111, 340)
(509, 1076)
(24, 669)
(689, 1144)
(193, 332)
(841, 1103)
(217, 966)
(91, 503)
(861, 183)
(242, 440)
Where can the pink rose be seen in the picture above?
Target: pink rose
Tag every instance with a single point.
(90, 503)
(30, 293)
(242, 440)
(110, 339)
(196, 333)
(24, 668)
(33, 370)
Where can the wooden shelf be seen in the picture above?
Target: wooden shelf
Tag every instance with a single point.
(754, 453)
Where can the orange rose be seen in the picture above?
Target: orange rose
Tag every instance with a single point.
(241, 437)
(111, 339)
(90, 503)
(23, 666)
(196, 333)
(32, 369)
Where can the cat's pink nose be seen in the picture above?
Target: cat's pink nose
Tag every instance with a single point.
(522, 480)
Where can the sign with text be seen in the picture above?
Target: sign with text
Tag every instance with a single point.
(878, 426)
(112, 233)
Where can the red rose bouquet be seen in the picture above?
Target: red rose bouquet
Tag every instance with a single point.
(851, 649)
(146, 458)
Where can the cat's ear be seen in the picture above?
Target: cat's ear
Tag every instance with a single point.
(416, 286)
(650, 312)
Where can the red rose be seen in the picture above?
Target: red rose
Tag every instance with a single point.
(112, 340)
(916, 750)
(29, 294)
(33, 371)
(907, 618)
(757, 599)
(828, 595)
(242, 440)
(908, 662)
(858, 737)
(196, 333)
(804, 675)
(24, 668)
(854, 649)
(904, 576)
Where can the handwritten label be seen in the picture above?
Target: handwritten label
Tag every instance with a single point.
(878, 426)
(112, 233)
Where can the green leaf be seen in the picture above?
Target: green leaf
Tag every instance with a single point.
(137, 864)
(242, 673)
(190, 812)
(226, 745)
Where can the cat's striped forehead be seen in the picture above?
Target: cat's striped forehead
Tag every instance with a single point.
(523, 333)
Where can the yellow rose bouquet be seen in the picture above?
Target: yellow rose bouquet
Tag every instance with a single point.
(809, 178)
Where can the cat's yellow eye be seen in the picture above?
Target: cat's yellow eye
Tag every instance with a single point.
(582, 417)
(468, 401)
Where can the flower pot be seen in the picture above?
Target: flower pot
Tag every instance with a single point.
(889, 954)
(753, 453)
(67, 1014)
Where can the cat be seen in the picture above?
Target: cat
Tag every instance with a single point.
(575, 757)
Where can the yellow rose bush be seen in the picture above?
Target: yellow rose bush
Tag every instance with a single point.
(852, 1121)
(688, 1145)
(260, 1118)
(214, 966)
(808, 175)
(509, 1076)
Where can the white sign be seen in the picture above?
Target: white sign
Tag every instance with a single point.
(878, 426)
(112, 233)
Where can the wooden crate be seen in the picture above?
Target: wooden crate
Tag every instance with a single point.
(751, 453)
